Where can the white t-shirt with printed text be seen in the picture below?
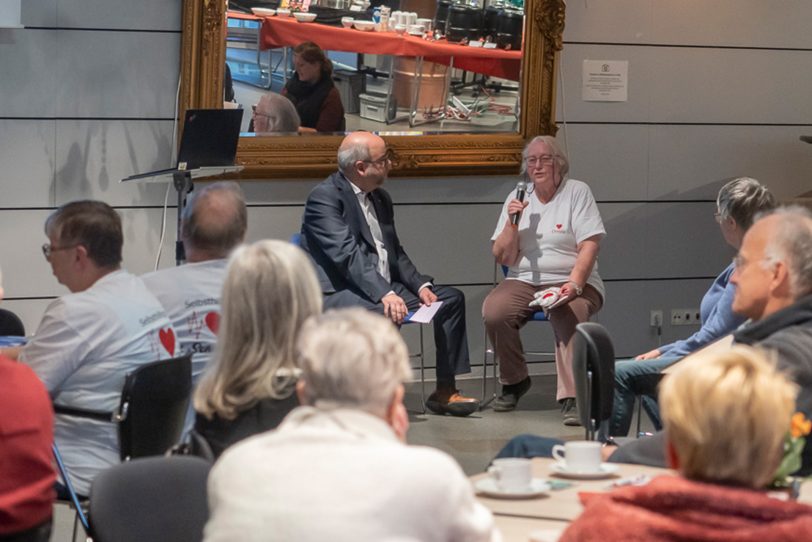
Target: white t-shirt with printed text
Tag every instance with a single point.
(190, 293)
(549, 234)
(83, 349)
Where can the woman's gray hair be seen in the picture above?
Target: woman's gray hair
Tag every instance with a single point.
(742, 199)
(560, 156)
(269, 292)
(351, 152)
(792, 245)
(352, 358)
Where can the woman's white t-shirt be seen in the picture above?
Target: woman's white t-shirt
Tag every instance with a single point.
(549, 234)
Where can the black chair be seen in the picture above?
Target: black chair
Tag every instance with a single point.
(10, 324)
(150, 416)
(593, 367)
(160, 499)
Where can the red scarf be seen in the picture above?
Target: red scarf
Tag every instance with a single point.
(673, 509)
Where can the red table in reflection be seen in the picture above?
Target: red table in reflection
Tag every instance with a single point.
(287, 32)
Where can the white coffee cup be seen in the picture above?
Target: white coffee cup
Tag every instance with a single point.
(579, 455)
(512, 473)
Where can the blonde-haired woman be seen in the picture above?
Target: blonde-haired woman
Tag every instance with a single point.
(269, 291)
(726, 416)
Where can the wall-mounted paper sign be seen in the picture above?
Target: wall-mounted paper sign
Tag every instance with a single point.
(605, 81)
(10, 14)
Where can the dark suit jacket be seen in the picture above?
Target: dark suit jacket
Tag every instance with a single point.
(336, 234)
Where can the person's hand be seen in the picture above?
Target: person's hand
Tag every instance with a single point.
(427, 297)
(566, 294)
(516, 207)
(649, 355)
(394, 308)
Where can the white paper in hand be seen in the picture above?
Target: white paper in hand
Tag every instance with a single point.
(425, 314)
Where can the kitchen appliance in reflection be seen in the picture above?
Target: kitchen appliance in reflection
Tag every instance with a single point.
(441, 15)
(509, 25)
(464, 23)
(432, 82)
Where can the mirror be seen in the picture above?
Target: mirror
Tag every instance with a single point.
(416, 153)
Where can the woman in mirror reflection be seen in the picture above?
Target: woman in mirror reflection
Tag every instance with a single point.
(312, 91)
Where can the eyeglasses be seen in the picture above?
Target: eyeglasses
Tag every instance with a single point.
(739, 262)
(387, 157)
(47, 249)
(545, 159)
(257, 113)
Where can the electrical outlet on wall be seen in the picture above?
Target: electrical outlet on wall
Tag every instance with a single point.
(655, 318)
(685, 317)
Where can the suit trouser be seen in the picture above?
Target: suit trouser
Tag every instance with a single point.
(506, 311)
(450, 337)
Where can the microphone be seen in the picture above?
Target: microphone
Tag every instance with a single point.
(521, 190)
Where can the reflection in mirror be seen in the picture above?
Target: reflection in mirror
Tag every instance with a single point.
(393, 67)
(433, 152)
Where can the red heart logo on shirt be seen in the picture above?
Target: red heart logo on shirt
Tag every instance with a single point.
(213, 321)
(167, 337)
(558, 226)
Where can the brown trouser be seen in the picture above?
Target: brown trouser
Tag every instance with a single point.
(506, 310)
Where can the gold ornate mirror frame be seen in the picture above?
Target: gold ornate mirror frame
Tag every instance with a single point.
(202, 66)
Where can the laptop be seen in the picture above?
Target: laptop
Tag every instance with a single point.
(209, 140)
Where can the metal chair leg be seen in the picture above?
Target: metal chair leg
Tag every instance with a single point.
(422, 373)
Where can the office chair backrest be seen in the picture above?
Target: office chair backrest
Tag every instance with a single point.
(160, 499)
(153, 407)
(10, 324)
(594, 372)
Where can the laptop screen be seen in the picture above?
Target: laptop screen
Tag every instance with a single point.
(210, 138)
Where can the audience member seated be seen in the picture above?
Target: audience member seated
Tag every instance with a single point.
(213, 224)
(337, 468)
(773, 281)
(26, 463)
(738, 202)
(349, 231)
(274, 113)
(270, 290)
(89, 339)
(555, 243)
(312, 91)
(726, 416)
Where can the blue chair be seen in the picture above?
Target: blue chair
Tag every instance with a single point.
(538, 316)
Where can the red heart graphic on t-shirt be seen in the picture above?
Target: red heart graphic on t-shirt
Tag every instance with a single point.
(167, 337)
(547, 295)
(558, 226)
(213, 321)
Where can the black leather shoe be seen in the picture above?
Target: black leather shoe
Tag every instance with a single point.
(451, 402)
(511, 393)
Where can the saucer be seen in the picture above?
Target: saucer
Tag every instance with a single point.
(487, 486)
(604, 471)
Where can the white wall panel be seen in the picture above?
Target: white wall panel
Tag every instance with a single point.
(748, 23)
(38, 12)
(27, 159)
(141, 15)
(28, 84)
(699, 85)
(93, 156)
(692, 162)
(115, 74)
(612, 159)
(661, 240)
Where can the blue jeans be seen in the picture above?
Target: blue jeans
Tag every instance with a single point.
(527, 445)
(633, 378)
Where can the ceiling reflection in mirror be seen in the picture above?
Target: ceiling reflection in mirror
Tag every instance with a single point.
(398, 66)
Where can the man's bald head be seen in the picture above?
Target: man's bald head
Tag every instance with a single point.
(364, 159)
(214, 221)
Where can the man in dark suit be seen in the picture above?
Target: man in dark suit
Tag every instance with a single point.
(349, 231)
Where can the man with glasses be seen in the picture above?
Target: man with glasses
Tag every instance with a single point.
(88, 340)
(349, 231)
(274, 113)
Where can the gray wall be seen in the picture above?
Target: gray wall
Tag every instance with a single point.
(715, 91)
